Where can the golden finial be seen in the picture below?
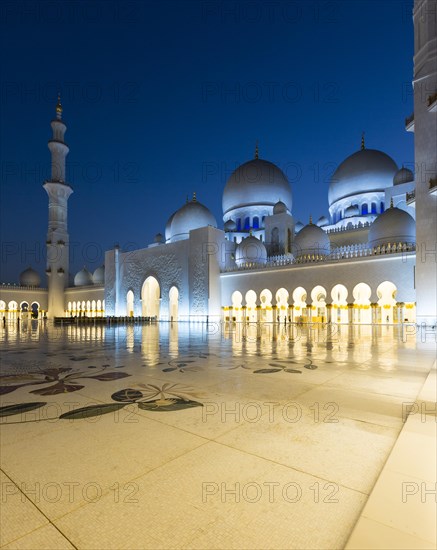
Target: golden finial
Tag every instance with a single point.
(250, 231)
(194, 196)
(256, 151)
(311, 220)
(59, 106)
(391, 203)
(363, 145)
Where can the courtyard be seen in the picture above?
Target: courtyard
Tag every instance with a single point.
(195, 435)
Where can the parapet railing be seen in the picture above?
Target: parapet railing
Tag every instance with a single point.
(358, 225)
(340, 253)
(14, 286)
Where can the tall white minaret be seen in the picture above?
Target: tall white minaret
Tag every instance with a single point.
(57, 235)
(425, 145)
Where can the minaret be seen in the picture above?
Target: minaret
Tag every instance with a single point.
(425, 145)
(57, 235)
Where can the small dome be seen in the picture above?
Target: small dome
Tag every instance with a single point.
(159, 238)
(30, 277)
(311, 240)
(250, 250)
(193, 215)
(393, 226)
(298, 227)
(366, 171)
(83, 278)
(322, 221)
(404, 175)
(351, 211)
(280, 208)
(230, 225)
(99, 276)
(256, 183)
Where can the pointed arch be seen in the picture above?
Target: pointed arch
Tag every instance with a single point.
(250, 299)
(151, 297)
(282, 304)
(130, 303)
(173, 303)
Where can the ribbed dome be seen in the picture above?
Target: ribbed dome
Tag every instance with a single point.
(250, 250)
(366, 171)
(322, 221)
(280, 208)
(83, 278)
(394, 226)
(230, 225)
(404, 175)
(311, 240)
(30, 277)
(99, 276)
(193, 215)
(257, 182)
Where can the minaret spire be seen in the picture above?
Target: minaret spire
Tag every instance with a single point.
(57, 235)
(59, 107)
(58, 148)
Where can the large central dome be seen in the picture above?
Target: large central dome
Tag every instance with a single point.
(366, 171)
(256, 183)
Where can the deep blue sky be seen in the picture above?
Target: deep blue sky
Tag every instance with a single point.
(165, 98)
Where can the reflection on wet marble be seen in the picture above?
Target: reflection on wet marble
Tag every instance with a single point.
(198, 436)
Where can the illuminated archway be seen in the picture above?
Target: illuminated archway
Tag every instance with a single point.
(362, 309)
(150, 296)
(250, 306)
(339, 304)
(318, 304)
(173, 305)
(237, 312)
(300, 304)
(282, 304)
(386, 293)
(130, 303)
(266, 306)
(12, 309)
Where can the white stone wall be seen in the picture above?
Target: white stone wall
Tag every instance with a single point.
(168, 263)
(425, 145)
(398, 269)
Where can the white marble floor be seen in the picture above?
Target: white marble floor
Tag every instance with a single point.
(186, 436)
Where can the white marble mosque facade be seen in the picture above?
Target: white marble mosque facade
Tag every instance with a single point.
(425, 153)
(358, 265)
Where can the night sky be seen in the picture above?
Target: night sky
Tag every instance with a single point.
(165, 98)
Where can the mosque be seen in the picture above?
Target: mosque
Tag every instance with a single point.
(373, 261)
